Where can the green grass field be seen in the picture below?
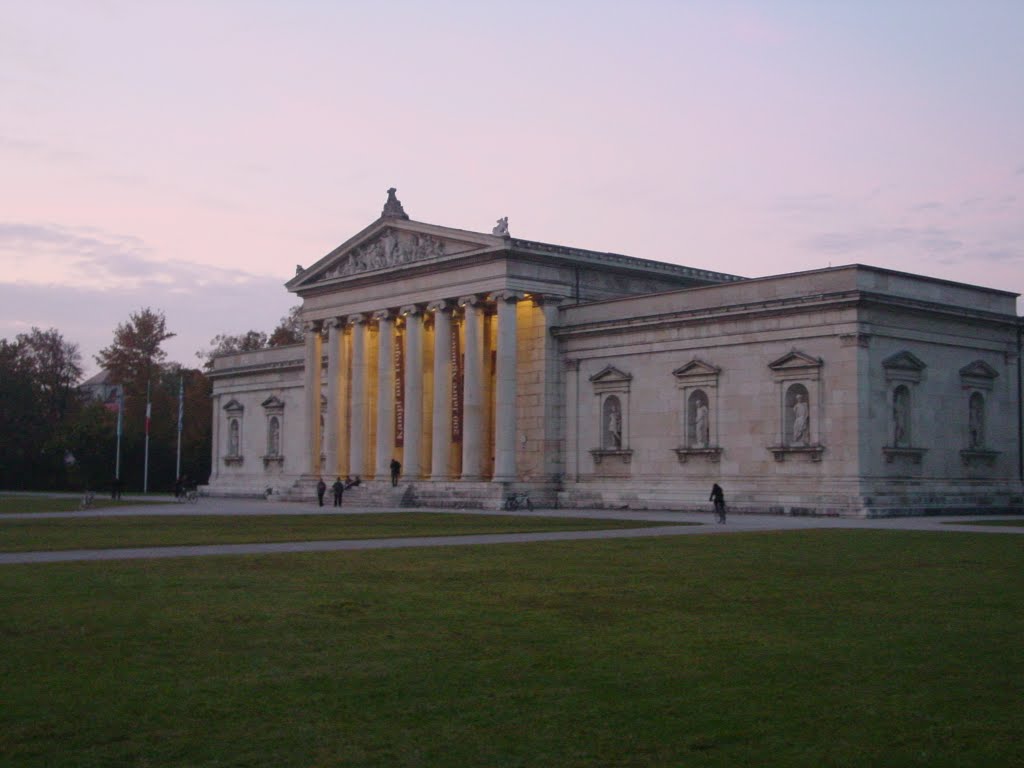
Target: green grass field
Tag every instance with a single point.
(29, 534)
(24, 504)
(815, 648)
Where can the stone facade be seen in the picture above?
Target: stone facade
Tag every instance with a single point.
(490, 363)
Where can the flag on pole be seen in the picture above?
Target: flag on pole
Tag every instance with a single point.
(181, 403)
(149, 413)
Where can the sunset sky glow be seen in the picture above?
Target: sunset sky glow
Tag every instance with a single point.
(186, 156)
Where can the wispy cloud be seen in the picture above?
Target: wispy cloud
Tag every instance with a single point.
(929, 239)
(46, 254)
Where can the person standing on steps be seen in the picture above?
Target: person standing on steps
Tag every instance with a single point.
(718, 497)
(321, 489)
(396, 470)
(339, 489)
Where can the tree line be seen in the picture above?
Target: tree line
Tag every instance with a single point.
(56, 436)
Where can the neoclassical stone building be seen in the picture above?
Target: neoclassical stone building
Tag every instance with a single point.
(487, 364)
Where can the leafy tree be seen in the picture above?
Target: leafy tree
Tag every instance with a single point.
(135, 355)
(289, 330)
(22, 425)
(226, 344)
(55, 368)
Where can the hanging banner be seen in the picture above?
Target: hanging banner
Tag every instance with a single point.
(456, 371)
(399, 389)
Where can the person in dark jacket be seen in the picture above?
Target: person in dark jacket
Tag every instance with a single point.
(339, 489)
(718, 497)
(321, 489)
(396, 470)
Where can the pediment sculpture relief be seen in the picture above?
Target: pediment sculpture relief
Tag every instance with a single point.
(390, 249)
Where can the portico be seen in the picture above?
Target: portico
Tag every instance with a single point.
(485, 363)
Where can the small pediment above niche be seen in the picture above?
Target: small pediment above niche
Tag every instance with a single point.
(611, 379)
(903, 366)
(695, 373)
(796, 363)
(273, 403)
(233, 407)
(978, 374)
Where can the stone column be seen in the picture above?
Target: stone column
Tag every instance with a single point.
(505, 389)
(335, 404)
(360, 412)
(473, 389)
(412, 455)
(441, 433)
(313, 372)
(385, 392)
(554, 390)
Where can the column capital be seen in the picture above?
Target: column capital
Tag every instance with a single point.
(356, 319)
(383, 314)
(507, 296)
(334, 322)
(470, 301)
(442, 305)
(311, 326)
(410, 309)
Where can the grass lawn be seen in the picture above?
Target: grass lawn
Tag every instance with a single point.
(20, 504)
(810, 648)
(25, 535)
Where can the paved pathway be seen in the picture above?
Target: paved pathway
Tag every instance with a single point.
(676, 524)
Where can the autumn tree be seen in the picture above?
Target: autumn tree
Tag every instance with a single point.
(289, 329)
(55, 367)
(135, 356)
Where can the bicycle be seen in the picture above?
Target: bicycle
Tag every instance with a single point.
(188, 496)
(518, 501)
(87, 500)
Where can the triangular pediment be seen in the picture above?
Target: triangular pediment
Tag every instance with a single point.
(273, 403)
(979, 369)
(610, 374)
(695, 368)
(391, 244)
(794, 360)
(233, 406)
(903, 361)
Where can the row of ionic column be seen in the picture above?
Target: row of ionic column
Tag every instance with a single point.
(348, 414)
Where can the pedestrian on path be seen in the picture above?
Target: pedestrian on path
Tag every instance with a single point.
(339, 489)
(718, 497)
(321, 489)
(396, 470)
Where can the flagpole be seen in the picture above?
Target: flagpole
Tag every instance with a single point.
(145, 471)
(120, 414)
(181, 419)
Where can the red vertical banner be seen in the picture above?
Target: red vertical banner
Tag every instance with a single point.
(399, 389)
(456, 371)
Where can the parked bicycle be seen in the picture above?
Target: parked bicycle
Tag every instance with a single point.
(188, 496)
(518, 501)
(87, 500)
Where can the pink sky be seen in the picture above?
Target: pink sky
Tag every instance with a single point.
(185, 156)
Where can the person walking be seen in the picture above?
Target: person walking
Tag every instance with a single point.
(321, 489)
(339, 489)
(718, 497)
(396, 470)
